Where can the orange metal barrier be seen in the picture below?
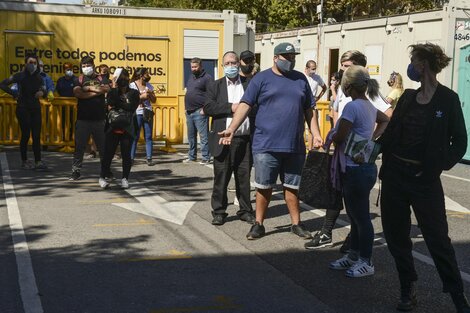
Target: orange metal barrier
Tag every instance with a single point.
(58, 122)
(323, 109)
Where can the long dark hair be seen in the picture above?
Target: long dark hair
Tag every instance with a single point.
(138, 73)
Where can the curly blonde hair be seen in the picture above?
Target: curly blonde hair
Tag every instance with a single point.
(432, 53)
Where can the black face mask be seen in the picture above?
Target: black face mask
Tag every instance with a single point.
(247, 69)
(123, 83)
(196, 73)
(146, 79)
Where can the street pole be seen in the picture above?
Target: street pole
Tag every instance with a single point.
(320, 34)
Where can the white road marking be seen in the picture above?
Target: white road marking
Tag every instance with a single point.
(419, 256)
(26, 278)
(451, 205)
(156, 206)
(456, 177)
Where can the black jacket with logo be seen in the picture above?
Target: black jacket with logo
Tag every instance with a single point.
(446, 133)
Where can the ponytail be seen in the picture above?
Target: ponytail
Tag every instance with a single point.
(373, 88)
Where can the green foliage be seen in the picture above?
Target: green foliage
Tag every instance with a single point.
(94, 2)
(272, 15)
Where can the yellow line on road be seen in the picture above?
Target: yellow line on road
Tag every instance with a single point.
(158, 258)
(111, 200)
(140, 222)
(224, 304)
(172, 255)
(458, 214)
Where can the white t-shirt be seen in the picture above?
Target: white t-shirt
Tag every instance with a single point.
(146, 103)
(315, 81)
(235, 93)
(341, 100)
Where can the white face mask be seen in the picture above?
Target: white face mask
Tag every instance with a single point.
(69, 73)
(88, 71)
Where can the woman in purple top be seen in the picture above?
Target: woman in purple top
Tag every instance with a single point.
(359, 117)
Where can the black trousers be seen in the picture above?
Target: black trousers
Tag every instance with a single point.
(30, 125)
(400, 190)
(111, 141)
(236, 159)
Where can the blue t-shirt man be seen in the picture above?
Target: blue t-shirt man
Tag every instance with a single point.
(282, 101)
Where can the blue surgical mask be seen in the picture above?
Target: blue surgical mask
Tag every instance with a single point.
(413, 74)
(285, 66)
(231, 71)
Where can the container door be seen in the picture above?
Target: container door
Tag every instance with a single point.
(18, 43)
(150, 52)
(464, 90)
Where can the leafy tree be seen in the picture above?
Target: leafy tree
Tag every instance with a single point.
(94, 2)
(272, 15)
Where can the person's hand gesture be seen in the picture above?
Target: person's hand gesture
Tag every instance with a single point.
(39, 94)
(226, 137)
(317, 142)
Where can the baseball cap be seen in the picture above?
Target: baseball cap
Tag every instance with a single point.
(247, 54)
(284, 48)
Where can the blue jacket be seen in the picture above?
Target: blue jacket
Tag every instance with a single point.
(47, 82)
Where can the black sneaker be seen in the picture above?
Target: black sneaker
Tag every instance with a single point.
(75, 175)
(461, 302)
(346, 245)
(248, 217)
(300, 231)
(319, 240)
(150, 162)
(218, 220)
(407, 298)
(257, 231)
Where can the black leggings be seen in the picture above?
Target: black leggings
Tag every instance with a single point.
(111, 142)
(30, 124)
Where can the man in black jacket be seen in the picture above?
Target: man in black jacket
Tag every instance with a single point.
(222, 100)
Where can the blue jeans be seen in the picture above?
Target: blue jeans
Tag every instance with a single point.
(197, 123)
(357, 184)
(148, 126)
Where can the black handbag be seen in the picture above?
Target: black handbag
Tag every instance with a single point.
(119, 118)
(315, 187)
(147, 115)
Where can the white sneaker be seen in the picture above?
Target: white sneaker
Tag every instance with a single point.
(236, 202)
(342, 264)
(103, 183)
(361, 269)
(124, 183)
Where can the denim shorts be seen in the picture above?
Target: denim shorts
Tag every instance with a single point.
(270, 165)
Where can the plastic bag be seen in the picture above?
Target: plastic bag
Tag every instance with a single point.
(315, 185)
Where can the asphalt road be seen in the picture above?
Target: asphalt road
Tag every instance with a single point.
(152, 248)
